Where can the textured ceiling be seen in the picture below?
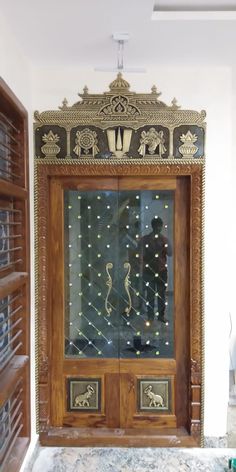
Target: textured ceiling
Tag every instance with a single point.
(78, 32)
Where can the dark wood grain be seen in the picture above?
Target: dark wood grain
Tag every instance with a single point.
(89, 183)
(56, 287)
(112, 400)
(147, 183)
(154, 366)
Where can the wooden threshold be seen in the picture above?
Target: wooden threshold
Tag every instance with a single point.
(104, 437)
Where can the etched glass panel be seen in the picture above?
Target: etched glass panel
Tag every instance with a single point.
(146, 244)
(91, 261)
(119, 274)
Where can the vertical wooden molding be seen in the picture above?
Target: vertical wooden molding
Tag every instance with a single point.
(42, 280)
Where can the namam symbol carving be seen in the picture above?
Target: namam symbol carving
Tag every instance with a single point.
(86, 140)
(155, 400)
(119, 144)
(150, 140)
(83, 398)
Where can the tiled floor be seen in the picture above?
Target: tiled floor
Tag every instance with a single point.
(49, 459)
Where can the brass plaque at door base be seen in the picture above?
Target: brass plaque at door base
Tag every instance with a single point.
(84, 394)
(154, 395)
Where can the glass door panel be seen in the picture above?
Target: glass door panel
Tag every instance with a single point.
(118, 274)
(91, 276)
(146, 268)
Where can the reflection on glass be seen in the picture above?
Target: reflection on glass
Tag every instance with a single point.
(119, 274)
(153, 251)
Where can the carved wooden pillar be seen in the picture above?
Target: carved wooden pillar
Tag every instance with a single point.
(41, 303)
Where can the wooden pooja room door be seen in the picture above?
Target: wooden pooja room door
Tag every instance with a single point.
(120, 301)
(119, 181)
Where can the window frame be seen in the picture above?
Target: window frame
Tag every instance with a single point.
(15, 279)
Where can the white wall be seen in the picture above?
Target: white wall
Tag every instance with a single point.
(16, 72)
(195, 88)
(14, 67)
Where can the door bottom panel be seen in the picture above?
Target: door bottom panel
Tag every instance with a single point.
(106, 437)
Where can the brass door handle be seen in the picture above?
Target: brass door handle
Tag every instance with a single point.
(127, 285)
(108, 308)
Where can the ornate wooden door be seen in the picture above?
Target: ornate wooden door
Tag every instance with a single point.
(119, 302)
(119, 307)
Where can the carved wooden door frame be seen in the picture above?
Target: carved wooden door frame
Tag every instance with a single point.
(45, 170)
(120, 133)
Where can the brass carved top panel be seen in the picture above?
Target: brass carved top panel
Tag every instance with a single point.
(119, 124)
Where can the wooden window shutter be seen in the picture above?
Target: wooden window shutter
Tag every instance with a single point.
(14, 282)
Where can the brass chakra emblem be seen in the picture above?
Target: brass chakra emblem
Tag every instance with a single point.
(86, 140)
